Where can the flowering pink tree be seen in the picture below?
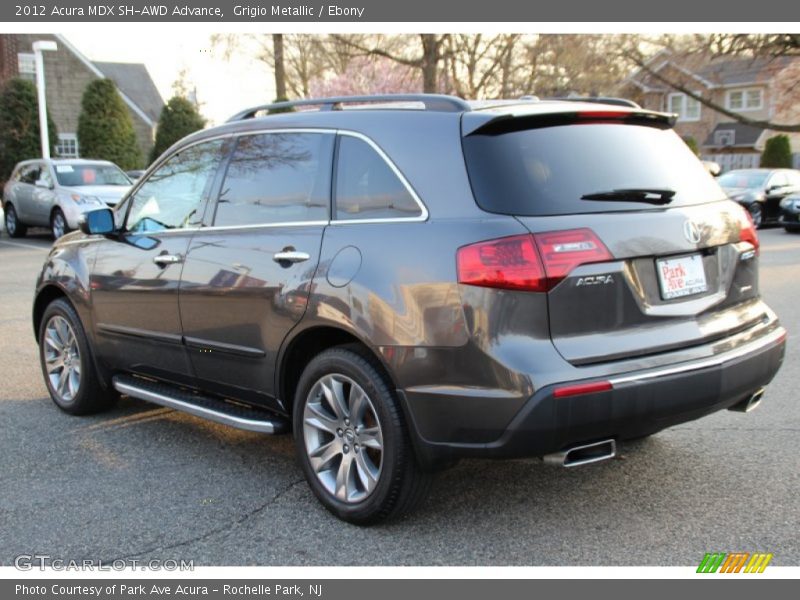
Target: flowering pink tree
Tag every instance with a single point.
(368, 75)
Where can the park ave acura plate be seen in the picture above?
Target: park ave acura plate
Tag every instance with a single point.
(683, 276)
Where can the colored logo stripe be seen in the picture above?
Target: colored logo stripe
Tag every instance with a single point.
(758, 563)
(734, 562)
(711, 562)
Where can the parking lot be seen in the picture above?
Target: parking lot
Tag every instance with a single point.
(146, 482)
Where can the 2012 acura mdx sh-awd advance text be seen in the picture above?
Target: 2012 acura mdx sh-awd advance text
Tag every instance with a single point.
(403, 281)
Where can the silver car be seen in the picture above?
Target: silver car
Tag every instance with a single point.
(54, 193)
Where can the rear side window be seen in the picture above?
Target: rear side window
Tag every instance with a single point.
(546, 171)
(367, 187)
(277, 178)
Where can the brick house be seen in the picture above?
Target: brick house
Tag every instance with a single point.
(760, 88)
(67, 73)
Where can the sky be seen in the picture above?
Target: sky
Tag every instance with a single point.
(224, 86)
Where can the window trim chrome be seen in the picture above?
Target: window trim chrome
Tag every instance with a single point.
(423, 216)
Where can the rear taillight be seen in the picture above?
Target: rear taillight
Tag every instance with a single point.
(562, 251)
(534, 263)
(508, 263)
(747, 231)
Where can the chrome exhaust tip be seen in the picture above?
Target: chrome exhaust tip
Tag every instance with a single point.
(582, 455)
(749, 403)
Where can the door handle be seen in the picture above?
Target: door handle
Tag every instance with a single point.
(162, 260)
(290, 256)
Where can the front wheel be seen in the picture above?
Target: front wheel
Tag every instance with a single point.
(352, 440)
(67, 365)
(58, 224)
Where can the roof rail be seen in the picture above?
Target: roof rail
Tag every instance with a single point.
(599, 100)
(432, 102)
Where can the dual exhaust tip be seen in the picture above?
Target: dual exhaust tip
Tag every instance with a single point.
(749, 403)
(582, 455)
(607, 449)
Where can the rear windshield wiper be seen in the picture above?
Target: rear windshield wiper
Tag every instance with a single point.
(648, 195)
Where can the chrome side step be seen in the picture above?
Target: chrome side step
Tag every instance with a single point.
(582, 455)
(219, 411)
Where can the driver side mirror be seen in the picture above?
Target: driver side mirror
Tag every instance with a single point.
(41, 183)
(97, 222)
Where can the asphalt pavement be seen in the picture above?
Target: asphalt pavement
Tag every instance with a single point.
(147, 482)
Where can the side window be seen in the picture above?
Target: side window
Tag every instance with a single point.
(367, 187)
(172, 196)
(30, 174)
(779, 179)
(277, 178)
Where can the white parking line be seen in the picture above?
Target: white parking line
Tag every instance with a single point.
(28, 246)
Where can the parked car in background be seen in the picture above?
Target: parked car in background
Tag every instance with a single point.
(54, 193)
(790, 213)
(760, 191)
(135, 174)
(402, 287)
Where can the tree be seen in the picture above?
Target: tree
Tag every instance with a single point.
(777, 153)
(692, 143)
(19, 125)
(280, 67)
(423, 52)
(178, 119)
(105, 127)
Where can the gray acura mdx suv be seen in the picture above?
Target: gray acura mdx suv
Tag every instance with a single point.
(416, 279)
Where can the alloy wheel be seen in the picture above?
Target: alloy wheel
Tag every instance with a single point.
(62, 358)
(59, 225)
(11, 221)
(343, 438)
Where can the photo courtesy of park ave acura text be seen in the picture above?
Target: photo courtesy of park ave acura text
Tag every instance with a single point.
(397, 299)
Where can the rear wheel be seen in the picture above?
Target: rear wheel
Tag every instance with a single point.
(67, 365)
(14, 228)
(58, 224)
(757, 214)
(352, 440)
(791, 229)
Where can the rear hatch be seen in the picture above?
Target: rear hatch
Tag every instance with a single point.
(638, 250)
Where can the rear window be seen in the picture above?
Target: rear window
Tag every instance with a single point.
(545, 171)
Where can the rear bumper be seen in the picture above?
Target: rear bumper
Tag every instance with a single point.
(637, 404)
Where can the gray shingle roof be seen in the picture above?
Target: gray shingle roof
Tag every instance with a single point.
(743, 135)
(733, 71)
(134, 81)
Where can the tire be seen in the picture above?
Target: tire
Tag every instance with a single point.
(66, 359)
(14, 228)
(384, 479)
(58, 223)
(791, 229)
(757, 214)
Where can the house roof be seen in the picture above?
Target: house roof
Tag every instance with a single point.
(743, 135)
(94, 69)
(710, 71)
(738, 71)
(134, 81)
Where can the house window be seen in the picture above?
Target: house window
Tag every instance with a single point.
(26, 66)
(67, 145)
(687, 109)
(724, 137)
(747, 99)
